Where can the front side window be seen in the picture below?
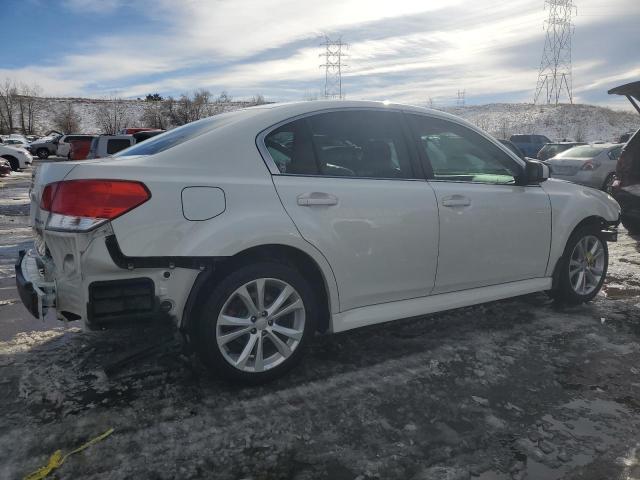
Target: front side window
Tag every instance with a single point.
(457, 153)
(351, 143)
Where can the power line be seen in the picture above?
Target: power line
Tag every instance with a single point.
(554, 76)
(333, 66)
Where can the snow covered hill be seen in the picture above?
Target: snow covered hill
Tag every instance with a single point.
(577, 122)
(588, 123)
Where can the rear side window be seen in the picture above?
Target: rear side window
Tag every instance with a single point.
(116, 144)
(352, 143)
(457, 153)
(360, 143)
(291, 149)
(585, 151)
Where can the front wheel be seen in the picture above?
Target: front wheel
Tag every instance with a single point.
(256, 323)
(13, 161)
(583, 266)
(42, 153)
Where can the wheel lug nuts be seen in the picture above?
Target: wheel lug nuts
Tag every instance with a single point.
(253, 330)
(270, 322)
(253, 319)
(264, 314)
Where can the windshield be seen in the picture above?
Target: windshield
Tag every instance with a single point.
(181, 134)
(585, 151)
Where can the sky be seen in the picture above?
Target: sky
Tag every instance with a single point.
(407, 51)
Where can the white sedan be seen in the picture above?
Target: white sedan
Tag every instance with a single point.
(255, 229)
(17, 156)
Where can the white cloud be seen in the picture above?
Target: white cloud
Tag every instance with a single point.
(463, 44)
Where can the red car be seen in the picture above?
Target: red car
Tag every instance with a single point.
(79, 149)
(131, 131)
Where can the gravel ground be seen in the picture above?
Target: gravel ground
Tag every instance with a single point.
(515, 389)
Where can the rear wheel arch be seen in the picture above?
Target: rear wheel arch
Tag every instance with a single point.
(287, 255)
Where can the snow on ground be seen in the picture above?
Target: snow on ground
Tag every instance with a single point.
(521, 388)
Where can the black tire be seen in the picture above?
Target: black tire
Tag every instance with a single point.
(42, 153)
(203, 329)
(632, 226)
(13, 161)
(562, 290)
(606, 186)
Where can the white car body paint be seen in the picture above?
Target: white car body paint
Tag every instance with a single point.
(386, 249)
(24, 158)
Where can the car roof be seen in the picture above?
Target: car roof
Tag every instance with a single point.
(292, 109)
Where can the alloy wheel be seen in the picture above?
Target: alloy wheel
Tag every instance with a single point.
(260, 325)
(586, 265)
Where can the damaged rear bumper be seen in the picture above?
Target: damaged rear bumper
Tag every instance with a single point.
(37, 294)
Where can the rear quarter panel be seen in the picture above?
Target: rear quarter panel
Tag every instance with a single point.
(227, 159)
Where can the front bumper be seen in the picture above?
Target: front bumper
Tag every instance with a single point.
(37, 294)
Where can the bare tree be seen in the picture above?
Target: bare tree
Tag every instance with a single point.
(224, 97)
(28, 106)
(113, 115)
(189, 108)
(67, 119)
(8, 101)
(155, 114)
(258, 99)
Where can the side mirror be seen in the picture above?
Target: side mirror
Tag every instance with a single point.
(534, 172)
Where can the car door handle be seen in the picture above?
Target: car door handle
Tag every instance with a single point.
(456, 201)
(317, 198)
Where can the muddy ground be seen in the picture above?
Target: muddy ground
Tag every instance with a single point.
(518, 389)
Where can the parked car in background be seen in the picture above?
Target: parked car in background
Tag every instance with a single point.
(17, 142)
(530, 145)
(252, 231)
(624, 138)
(45, 146)
(511, 146)
(17, 157)
(591, 165)
(64, 143)
(552, 149)
(79, 148)
(132, 130)
(146, 134)
(626, 187)
(105, 145)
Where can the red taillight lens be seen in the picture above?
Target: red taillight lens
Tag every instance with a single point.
(104, 199)
(589, 165)
(47, 196)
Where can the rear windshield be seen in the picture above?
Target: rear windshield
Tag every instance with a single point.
(181, 134)
(585, 151)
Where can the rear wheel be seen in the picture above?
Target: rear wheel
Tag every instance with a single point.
(13, 161)
(583, 266)
(42, 153)
(256, 323)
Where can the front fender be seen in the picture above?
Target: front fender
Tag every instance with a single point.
(571, 204)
